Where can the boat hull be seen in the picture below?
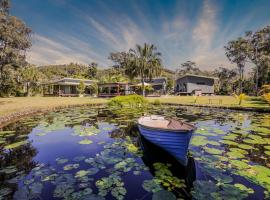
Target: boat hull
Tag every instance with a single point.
(174, 142)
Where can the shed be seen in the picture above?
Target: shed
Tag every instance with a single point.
(195, 84)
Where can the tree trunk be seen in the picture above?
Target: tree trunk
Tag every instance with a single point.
(143, 89)
(257, 73)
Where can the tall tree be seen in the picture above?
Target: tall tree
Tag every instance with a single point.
(189, 67)
(144, 62)
(30, 77)
(14, 41)
(92, 70)
(236, 52)
(259, 54)
(227, 79)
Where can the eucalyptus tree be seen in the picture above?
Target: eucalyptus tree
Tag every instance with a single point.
(30, 78)
(236, 52)
(259, 55)
(92, 70)
(189, 67)
(14, 41)
(143, 62)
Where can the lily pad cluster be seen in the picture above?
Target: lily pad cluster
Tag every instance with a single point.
(112, 184)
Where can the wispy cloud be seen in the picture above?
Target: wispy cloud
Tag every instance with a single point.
(47, 51)
(196, 30)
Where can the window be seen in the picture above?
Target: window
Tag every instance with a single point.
(200, 83)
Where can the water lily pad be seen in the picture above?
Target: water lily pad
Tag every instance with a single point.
(86, 141)
(163, 195)
(245, 146)
(9, 169)
(213, 150)
(81, 173)
(4, 192)
(229, 142)
(61, 161)
(16, 144)
(151, 185)
(244, 188)
(78, 158)
(63, 190)
(36, 188)
(71, 166)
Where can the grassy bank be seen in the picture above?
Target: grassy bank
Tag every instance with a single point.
(20, 104)
(227, 101)
(17, 106)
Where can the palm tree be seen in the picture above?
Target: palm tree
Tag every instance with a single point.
(144, 62)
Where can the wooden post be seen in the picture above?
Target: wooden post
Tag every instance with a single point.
(118, 89)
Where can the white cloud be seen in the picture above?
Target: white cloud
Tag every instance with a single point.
(47, 51)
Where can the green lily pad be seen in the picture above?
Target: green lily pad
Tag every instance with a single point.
(71, 166)
(245, 146)
(86, 141)
(81, 173)
(213, 150)
(60, 161)
(16, 144)
(9, 170)
(229, 142)
(5, 192)
(163, 195)
(151, 185)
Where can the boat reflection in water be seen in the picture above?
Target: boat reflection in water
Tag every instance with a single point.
(154, 154)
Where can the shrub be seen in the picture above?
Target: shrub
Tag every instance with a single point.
(240, 97)
(157, 102)
(266, 97)
(133, 101)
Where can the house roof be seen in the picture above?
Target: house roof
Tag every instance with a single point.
(113, 84)
(71, 81)
(156, 81)
(200, 76)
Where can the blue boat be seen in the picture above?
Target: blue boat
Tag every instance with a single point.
(171, 135)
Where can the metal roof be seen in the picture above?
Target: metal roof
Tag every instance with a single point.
(200, 76)
(71, 81)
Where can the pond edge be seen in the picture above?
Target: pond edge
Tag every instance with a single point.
(7, 119)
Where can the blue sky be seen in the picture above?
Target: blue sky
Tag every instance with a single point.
(88, 30)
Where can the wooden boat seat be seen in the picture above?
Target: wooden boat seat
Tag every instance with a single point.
(160, 122)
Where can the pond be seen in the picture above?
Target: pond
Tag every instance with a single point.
(97, 153)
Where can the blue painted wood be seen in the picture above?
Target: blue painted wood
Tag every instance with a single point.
(174, 142)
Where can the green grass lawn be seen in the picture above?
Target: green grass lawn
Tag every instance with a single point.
(229, 101)
(18, 104)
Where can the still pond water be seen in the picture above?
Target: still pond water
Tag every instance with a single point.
(96, 153)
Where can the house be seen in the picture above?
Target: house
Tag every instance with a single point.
(158, 84)
(66, 87)
(113, 89)
(195, 84)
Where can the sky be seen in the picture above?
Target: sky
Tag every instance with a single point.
(85, 31)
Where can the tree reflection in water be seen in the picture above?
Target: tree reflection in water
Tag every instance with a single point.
(19, 160)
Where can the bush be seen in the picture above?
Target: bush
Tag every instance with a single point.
(157, 102)
(241, 97)
(133, 101)
(266, 97)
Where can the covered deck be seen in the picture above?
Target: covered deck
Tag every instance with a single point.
(113, 89)
(65, 87)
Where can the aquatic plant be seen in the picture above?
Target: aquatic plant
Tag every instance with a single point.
(165, 177)
(241, 97)
(131, 101)
(113, 184)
